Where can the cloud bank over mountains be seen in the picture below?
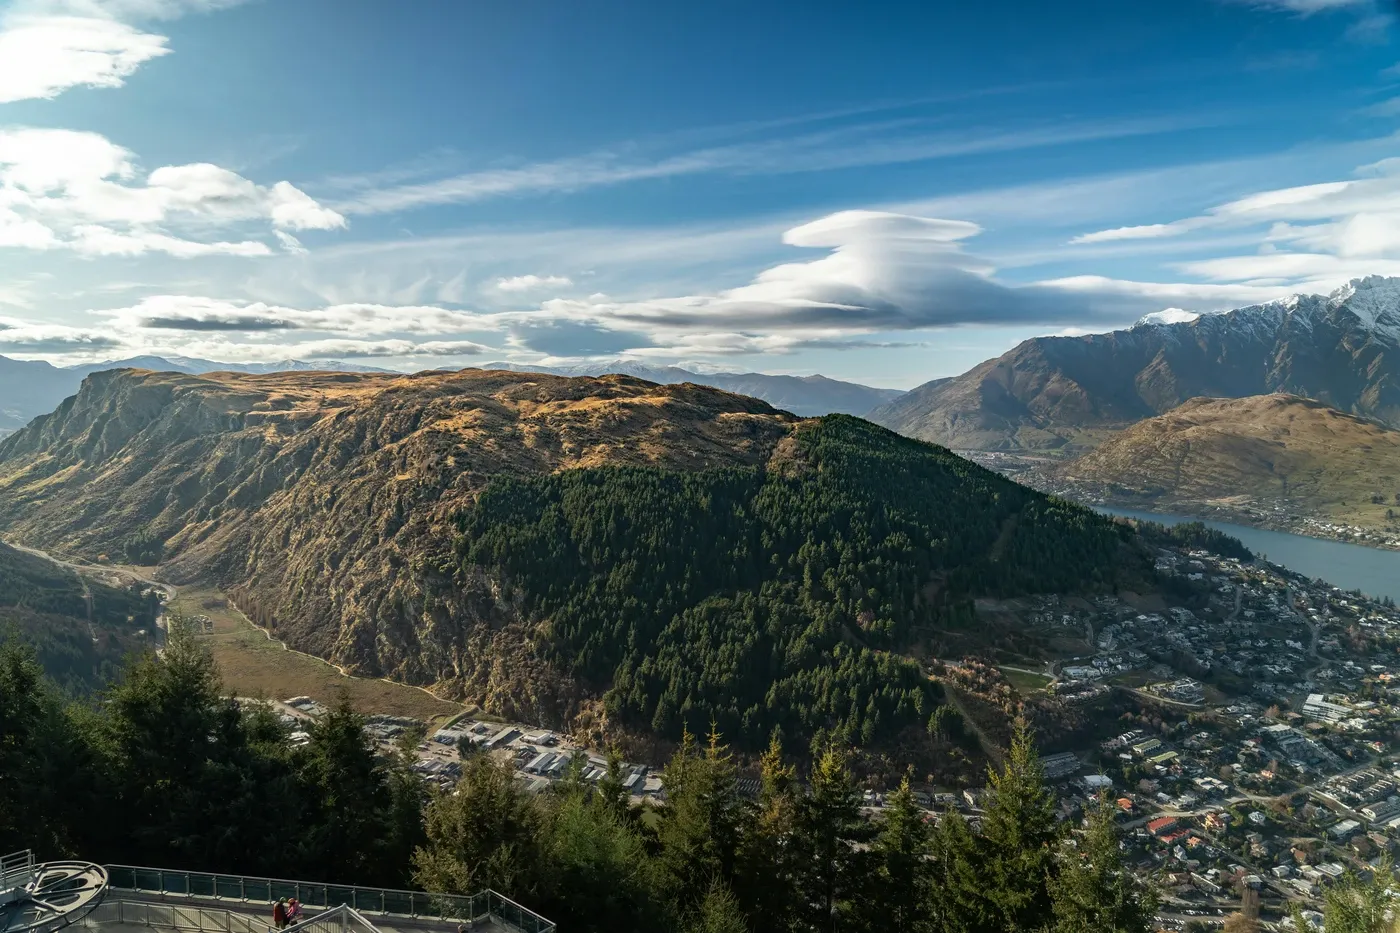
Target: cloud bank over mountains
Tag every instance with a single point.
(879, 273)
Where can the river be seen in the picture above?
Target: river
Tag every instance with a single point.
(1350, 566)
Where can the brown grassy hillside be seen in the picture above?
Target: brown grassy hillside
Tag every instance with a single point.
(322, 500)
(1264, 453)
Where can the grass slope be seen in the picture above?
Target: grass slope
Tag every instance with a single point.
(1253, 454)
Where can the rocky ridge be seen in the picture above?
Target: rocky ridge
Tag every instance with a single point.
(1072, 393)
(323, 501)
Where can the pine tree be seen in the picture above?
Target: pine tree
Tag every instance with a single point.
(352, 790)
(833, 879)
(901, 853)
(1355, 906)
(46, 772)
(1018, 835)
(485, 834)
(594, 871)
(1093, 892)
(612, 795)
(700, 826)
(958, 902)
(769, 855)
(718, 912)
(166, 726)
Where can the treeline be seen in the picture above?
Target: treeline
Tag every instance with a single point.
(778, 598)
(37, 585)
(168, 773)
(80, 646)
(164, 770)
(1196, 536)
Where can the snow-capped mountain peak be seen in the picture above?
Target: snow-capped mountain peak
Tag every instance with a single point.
(1167, 316)
(1375, 301)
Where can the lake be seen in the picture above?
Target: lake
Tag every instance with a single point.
(1350, 566)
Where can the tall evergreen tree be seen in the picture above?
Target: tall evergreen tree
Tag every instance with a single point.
(46, 772)
(1093, 892)
(769, 856)
(166, 726)
(351, 788)
(718, 912)
(596, 874)
(958, 901)
(612, 794)
(485, 834)
(1018, 837)
(902, 851)
(700, 826)
(832, 881)
(1353, 905)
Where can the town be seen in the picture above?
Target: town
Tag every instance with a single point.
(1259, 770)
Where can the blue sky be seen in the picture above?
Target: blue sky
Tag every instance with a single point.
(881, 192)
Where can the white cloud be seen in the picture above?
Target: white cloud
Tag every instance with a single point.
(290, 243)
(1317, 235)
(79, 190)
(1308, 7)
(294, 209)
(50, 46)
(1101, 291)
(1144, 232)
(22, 232)
(91, 240)
(41, 57)
(526, 283)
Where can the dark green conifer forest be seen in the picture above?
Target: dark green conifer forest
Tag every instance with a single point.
(784, 597)
(182, 777)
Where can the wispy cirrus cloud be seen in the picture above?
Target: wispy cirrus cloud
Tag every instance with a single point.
(887, 143)
(874, 274)
(1331, 230)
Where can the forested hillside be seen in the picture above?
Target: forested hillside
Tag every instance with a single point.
(187, 779)
(78, 645)
(781, 596)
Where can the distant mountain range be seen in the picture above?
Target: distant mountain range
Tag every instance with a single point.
(1071, 393)
(808, 396)
(29, 388)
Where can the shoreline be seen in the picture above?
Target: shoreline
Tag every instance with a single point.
(1299, 526)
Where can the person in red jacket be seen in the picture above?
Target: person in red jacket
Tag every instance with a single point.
(279, 915)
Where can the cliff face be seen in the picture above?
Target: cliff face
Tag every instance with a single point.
(323, 501)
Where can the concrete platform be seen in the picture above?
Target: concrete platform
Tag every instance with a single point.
(129, 912)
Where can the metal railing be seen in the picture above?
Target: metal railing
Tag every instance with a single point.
(188, 917)
(342, 919)
(16, 869)
(386, 902)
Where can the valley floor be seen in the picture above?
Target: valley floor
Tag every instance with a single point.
(253, 664)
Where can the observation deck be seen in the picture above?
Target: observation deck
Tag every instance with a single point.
(132, 899)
